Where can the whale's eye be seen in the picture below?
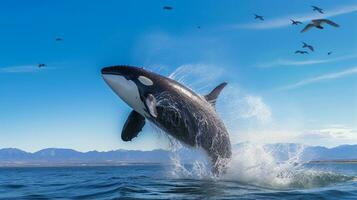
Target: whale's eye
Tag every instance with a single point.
(145, 80)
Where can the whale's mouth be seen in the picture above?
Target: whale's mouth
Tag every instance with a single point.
(122, 70)
(111, 70)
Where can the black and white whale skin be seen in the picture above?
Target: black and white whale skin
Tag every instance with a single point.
(174, 108)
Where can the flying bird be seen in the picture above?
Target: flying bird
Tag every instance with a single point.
(259, 17)
(305, 45)
(41, 65)
(59, 39)
(293, 22)
(168, 8)
(301, 52)
(317, 23)
(320, 10)
(329, 53)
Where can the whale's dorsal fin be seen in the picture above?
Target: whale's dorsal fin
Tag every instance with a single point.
(132, 126)
(212, 96)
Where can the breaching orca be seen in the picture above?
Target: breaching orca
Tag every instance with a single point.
(176, 109)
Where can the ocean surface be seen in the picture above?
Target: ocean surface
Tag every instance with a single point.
(308, 181)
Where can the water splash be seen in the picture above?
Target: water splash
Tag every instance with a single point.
(254, 164)
(199, 169)
(197, 76)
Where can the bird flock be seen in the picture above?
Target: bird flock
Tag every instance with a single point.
(315, 23)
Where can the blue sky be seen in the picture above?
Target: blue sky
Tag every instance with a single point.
(273, 94)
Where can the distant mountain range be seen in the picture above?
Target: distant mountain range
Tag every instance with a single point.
(70, 157)
(284, 151)
(58, 157)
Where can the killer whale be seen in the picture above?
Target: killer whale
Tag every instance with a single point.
(174, 108)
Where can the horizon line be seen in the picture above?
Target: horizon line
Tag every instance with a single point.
(105, 151)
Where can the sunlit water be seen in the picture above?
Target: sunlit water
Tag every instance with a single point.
(334, 181)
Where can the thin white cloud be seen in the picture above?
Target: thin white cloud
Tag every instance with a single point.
(286, 62)
(285, 20)
(330, 136)
(19, 69)
(331, 133)
(320, 78)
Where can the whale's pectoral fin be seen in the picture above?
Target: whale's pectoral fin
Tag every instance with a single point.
(150, 103)
(212, 97)
(132, 126)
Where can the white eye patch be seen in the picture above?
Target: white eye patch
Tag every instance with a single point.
(145, 80)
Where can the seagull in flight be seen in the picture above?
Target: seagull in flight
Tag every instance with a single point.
(41, 65)
(320, 10)
(293, 22)
(317, 23)
(59, 39)
(301, 52)
(329, 53)
(167, 8)
(305, 45)
(259, 17)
